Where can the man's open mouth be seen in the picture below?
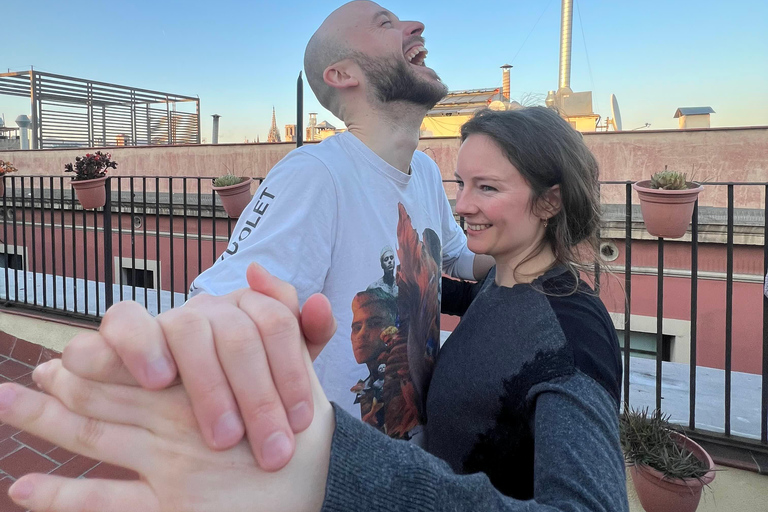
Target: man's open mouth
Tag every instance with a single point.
(416, 55)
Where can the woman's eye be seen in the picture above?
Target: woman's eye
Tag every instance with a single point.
(487, 188)
(385, 22)
(460, 184)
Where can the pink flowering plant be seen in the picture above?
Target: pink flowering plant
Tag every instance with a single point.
(91, 166)
(6, 167)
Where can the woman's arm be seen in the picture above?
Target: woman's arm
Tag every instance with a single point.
(578, 463)
(457, 295)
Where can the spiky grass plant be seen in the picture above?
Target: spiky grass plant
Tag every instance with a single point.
(227, 180)
(646, 439)
(669, 180)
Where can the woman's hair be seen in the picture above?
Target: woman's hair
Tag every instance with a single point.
(548, 151)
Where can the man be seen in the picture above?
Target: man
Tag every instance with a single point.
(374, 314)
(387, 281)
(325, 211)
(318, 221)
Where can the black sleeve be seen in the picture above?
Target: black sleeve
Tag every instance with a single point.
(457, 295)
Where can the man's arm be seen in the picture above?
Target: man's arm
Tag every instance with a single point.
(288, 228)
(482, 265)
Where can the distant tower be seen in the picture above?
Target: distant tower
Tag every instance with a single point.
(274, 135)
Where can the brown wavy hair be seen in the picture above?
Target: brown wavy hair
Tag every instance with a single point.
(547, 151)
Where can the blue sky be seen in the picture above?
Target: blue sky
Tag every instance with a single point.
(241, 58)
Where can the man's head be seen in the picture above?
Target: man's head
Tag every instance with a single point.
(362, 47)
(372, 311)
(387, 260)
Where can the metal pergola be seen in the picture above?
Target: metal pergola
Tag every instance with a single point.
(75, 112)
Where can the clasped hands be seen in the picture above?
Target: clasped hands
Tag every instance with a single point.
(245, 369)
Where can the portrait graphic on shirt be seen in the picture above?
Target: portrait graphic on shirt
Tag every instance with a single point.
(396, 331)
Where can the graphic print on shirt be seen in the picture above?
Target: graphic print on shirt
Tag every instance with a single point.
(396, 331)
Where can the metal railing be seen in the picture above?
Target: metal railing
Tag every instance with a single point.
(149, 241)
(155, 234)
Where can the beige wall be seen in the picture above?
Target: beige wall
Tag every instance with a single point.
(718, 154)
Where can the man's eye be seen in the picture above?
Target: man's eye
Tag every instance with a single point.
(385, 22)
(487, 188)
(460, 184)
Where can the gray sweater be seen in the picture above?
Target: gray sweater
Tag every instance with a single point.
(522, 411)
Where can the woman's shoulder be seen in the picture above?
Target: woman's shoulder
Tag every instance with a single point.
(588, 330)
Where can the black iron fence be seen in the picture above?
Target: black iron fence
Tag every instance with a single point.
(155, 234)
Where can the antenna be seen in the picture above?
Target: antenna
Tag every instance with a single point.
(615, 114)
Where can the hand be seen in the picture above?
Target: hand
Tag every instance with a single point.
(230, 362)
(155, 434)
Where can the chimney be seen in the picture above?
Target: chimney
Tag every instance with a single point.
(23, 123)
(505, 81)
(312, 125)
(215, 135)
(566, 27)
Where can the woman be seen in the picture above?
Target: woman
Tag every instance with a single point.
(522, 406)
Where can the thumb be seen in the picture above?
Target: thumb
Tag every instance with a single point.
(317, 323)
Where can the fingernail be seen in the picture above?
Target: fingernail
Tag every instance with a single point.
(228, 430)
(276, 450)
(40, 372)
(7, 397)
(159, 371)
(21, 490)
(300, 416)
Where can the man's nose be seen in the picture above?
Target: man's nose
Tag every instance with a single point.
(413, 28)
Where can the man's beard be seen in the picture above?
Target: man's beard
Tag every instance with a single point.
(392, 79)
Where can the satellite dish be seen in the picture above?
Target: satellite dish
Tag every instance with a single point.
(497, 105)
(615, 113)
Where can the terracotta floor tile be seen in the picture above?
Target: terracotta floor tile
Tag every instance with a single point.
(75, 467)
(13, 369)
(34, 442)
(26, 381)
(105, 470)
(60, 455)
(48, 354)
(26, 352)
(7, 446)
(7, 431)
(6, 343)
(6, 505)
(24, 461)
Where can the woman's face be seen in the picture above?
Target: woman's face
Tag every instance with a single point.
(495, 201)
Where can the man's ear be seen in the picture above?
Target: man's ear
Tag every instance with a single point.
(341, 75)
(550, 203)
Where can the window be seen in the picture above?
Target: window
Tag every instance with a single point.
(643, 344)
(139, 278)
(12, 257)
(137, 273)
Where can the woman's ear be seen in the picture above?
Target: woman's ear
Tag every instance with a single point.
(341, 75)
(549, 203)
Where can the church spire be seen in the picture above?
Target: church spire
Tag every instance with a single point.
(274, 134)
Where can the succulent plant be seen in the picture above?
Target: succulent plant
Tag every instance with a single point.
(669, 180)
(646, 439)
(227, 180)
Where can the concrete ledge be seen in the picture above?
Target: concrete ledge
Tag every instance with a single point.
(50, 334)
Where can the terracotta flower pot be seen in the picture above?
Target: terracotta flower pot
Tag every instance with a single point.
(91, 193)
(667, 213)
(235, 197)
(659, 494)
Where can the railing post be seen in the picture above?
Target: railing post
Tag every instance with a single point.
(108, 277)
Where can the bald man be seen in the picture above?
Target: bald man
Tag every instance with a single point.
(324, 213)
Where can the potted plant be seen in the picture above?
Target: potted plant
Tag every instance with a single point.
(235, 193)
(5, 168)
(666, 201)
(669, 470)
(90, 175)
